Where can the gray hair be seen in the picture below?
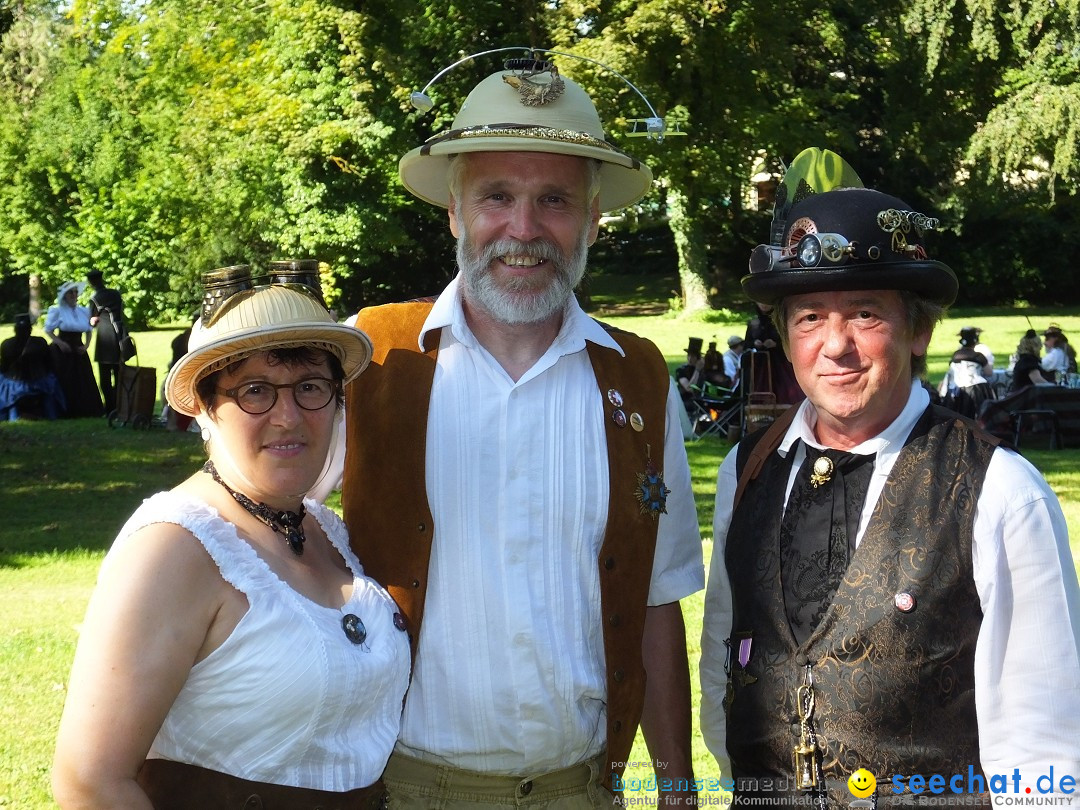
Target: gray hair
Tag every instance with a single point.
(922, 316)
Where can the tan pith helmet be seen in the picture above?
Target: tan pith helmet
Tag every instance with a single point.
(542, 112)
(259, 319)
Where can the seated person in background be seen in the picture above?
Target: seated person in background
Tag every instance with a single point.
(691, 377)
(1060, 356)
(970, 339)
(964, 387)
(714, 367)
(27, 382)
(233, 645)
(1027, 370)
(172, 419)
(733, 359)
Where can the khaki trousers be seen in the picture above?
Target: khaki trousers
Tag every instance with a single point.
(417, 785)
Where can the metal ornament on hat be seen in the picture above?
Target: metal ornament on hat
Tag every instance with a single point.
(525, 75)
(901, 223)
(224, 283)
(813, 171)
(525, 79)
(299, 272)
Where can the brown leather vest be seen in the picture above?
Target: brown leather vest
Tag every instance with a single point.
(895, 690)
(384, 496)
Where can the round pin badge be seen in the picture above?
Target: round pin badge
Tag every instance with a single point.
(636, 422)
(619, 417)
(904, 602)
(614, 397)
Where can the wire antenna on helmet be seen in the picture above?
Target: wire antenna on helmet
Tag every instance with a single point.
(526, 68)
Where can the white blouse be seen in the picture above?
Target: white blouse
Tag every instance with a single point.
(287, 698)
(67, 319)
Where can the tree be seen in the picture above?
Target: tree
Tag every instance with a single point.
(1031, 129)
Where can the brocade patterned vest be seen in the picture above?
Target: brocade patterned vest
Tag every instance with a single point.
(384, 496)
(894, 689)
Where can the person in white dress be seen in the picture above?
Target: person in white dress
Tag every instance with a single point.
(233, 645)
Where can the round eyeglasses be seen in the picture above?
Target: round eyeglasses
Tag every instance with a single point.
(259, 396)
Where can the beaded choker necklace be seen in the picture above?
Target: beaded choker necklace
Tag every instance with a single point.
(288, 524)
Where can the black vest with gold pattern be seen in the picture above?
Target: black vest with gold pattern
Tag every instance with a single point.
(894, 689)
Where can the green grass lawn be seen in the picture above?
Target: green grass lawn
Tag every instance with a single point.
(67, 487)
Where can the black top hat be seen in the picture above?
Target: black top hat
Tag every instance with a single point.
(93, 275)
(850, 239)
(693, 346)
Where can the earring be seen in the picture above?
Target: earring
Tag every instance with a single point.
(205, 433)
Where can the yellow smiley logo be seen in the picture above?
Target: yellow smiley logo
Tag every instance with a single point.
(861, 783)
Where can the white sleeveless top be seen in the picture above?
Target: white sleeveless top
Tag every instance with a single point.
(287, 698)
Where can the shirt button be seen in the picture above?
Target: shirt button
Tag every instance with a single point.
(619, 675)
(609, 563)
(615, 620)
(526, 788)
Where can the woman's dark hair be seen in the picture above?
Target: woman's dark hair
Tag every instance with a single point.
(206, 388)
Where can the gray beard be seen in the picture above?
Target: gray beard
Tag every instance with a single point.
(527, 299)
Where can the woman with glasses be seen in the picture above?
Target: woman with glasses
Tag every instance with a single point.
(233, 647)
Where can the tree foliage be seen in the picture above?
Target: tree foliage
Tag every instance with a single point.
(1031, 131)
(158, 140)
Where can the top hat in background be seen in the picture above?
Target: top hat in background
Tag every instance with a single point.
(693, 346)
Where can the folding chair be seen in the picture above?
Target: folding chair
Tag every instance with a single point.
(717, 410)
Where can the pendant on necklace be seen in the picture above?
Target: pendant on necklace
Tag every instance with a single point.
(354, 628)
(295, 539)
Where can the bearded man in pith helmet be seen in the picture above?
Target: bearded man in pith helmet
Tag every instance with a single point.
(516, 476)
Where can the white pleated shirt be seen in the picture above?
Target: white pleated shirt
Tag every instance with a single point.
(1027, 655)
(509, 676)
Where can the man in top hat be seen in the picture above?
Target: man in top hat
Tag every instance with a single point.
(107, 318)
(889, 588)
(690, 377)
(516, 477)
